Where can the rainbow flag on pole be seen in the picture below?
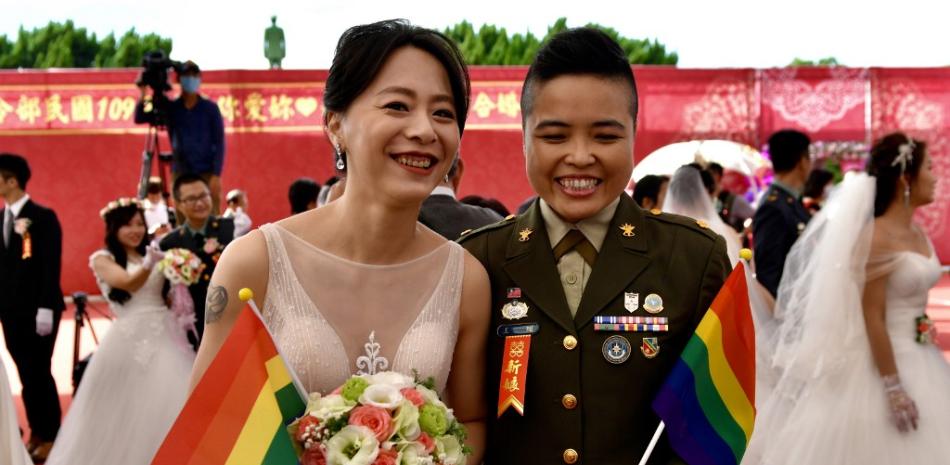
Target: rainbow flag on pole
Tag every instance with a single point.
(708, 400)
(239, 411)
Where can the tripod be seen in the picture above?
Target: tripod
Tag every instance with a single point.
(152, 148)
(82, 318)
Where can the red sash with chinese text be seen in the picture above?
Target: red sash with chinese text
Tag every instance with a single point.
(514, 374)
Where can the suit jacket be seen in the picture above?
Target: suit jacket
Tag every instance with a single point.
(777, 223)
(221, 229)
(30, 283)
(609, 419)
(449, 217)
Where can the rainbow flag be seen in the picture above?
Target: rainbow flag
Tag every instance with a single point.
(708, 400)
(239, 411)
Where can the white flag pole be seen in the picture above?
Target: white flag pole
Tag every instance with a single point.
(656, 437)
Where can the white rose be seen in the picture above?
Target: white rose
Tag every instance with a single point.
(406, 421)
(414, 454)
(332, 406)
(382, 395)
(449, 451)
(391, 378)
(353, 445)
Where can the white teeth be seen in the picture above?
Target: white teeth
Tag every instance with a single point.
(414, 162)
(575, 183)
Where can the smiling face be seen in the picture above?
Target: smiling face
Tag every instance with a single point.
(579, 143)
(401, 133)
(130, 235)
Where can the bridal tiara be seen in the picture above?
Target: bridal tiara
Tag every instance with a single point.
(905, 155)
(121, 202)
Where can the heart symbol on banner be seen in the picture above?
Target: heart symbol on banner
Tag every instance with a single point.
(306, 105)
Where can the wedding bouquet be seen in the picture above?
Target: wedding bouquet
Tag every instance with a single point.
(182, 268)
(382, 419)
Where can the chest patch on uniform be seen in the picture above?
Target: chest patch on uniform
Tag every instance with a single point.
(616, 349)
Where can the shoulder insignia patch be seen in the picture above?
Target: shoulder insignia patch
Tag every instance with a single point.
(656, 211)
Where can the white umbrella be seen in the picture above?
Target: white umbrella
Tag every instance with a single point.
(731, 155)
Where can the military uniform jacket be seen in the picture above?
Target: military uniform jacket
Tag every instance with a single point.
(778, 222)
(220, 229)
(580, 408)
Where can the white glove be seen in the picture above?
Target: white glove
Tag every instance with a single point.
(903, 408)
(44, 322)
(152, 256)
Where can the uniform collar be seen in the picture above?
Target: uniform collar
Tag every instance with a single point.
(203, 230)
(443, 190)
(593, 228)
(795, 193)
(17, 207)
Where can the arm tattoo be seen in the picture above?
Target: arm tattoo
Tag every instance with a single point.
(215, 304)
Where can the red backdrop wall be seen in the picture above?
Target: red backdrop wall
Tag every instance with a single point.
(75, 127)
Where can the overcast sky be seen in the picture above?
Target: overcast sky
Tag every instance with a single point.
(706, 34)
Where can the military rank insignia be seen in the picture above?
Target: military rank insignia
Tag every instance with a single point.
(616, 349)
(650, 347)
(631, 301)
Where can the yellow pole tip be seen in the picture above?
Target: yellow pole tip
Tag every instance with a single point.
(745, 254)
(245, 294)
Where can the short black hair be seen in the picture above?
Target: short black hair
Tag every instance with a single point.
(186, 178)
(362, 51)
(816, 182)
(15, 166)
(787, 148)
(580, 51)
(302, 192)
(648, 187)
(715, 168)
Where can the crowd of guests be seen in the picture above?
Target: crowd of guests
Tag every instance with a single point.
(383, 257)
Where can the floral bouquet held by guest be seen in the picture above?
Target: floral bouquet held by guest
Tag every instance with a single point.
(382, 419)
(182, 268)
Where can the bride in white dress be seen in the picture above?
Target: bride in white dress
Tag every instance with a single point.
(137, 379)
(687, 196)
(858, 387)
(12, 450)
(358, 286)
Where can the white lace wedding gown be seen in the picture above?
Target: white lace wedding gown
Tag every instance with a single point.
(12, 450)
(333, 318)
(828, 406)
(134, 386)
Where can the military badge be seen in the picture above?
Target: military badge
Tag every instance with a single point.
(514, 310)
(631, 301)
(653, 303)
(616, 349)
(514, 293)
(525, 234)
(627, 230)
(650, 347)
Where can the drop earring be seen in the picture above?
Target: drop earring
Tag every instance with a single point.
(340, 159)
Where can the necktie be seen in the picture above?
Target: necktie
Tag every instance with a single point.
(575, 240)
(7, 226)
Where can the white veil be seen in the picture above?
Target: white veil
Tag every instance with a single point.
(687, 196)
(818, 325)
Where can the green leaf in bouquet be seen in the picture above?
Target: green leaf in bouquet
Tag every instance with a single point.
(428, 382)
(334, 425)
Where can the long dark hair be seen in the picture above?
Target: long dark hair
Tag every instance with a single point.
(888, 176)
(362, 51)
(115, 219)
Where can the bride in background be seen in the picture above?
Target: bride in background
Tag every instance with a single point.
(860, 379)
(359, 286)
(12, 450)
(687, 196)
(137, 380)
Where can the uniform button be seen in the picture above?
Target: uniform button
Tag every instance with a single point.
(570, 456)
(571, 278)
(569, 401)
(570, 342)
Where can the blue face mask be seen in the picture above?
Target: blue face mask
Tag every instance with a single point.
(190, 84)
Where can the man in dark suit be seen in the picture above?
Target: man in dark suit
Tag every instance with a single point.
(569, 386)
(201, 233)
(444, 214)
(31, 301)
(781, 217)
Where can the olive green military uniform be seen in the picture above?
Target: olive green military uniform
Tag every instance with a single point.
(579, 407)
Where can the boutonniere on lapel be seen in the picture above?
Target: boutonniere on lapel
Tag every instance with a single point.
(213, 247)
(22, 227)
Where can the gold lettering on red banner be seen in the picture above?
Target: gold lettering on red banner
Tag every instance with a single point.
(514, 374)
(28, 109)
(5, 109)
(54, 110)
(230, 107)
(81, 108)
(281, 107)
(254, 104)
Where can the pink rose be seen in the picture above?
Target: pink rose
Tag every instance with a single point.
(427, 442)
(386, 457)
(374, 418)
(413, 396)
(314, 457)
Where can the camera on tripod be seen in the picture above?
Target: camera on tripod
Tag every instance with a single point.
(154, 74)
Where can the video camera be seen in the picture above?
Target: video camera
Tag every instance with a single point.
(155, 75)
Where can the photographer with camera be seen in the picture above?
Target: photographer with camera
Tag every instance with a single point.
(194, 123)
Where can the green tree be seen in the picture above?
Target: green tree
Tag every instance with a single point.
(827, 61)
(63, 45)
(491, 45)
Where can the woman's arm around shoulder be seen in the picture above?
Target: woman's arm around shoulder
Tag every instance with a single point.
(243, 264)
(466, 385)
